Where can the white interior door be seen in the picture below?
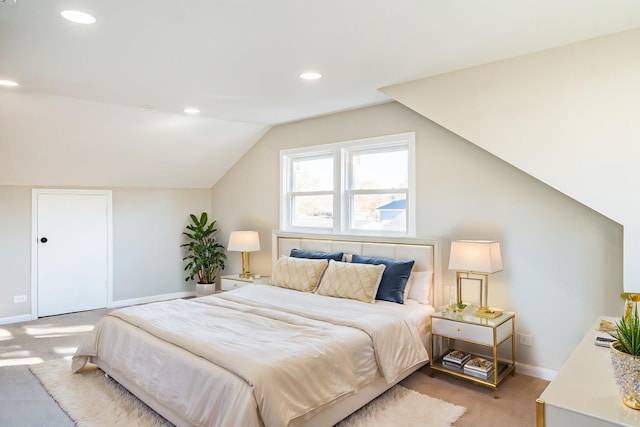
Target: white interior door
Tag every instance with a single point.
(72, 252)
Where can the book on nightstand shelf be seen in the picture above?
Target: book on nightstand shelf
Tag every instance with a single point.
(456, 358)
(479, 368)
(452, 365)
(478, 374)
(478, 365)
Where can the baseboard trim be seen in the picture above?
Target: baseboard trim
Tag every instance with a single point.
(535, 371)
(154, 298)
(15, 319)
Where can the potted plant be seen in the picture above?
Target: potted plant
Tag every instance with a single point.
(625, 352)
(205, 255)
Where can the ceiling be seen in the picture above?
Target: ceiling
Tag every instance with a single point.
(238, 61)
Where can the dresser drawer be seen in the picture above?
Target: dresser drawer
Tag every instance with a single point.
(468, 332)
(230, 284)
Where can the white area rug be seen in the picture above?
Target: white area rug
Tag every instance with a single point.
(93, 400)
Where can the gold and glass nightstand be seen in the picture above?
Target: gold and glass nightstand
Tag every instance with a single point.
(477, 336)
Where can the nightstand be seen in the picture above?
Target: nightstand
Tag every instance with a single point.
(231, 282)
(456, 329)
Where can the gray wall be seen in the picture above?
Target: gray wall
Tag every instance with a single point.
(147, 234)
(562, 260)
(15, 249)
(147, 258)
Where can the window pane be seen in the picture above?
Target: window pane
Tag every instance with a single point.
(379, 212)
(312, 211)
(387, 169)
(313, 174)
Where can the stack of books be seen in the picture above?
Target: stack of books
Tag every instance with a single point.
(455, 359)
(479, 367)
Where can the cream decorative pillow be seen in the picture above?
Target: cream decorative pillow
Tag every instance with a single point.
(301, 274)
(349, 280)
(421, 282)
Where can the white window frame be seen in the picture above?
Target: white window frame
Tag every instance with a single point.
(342, 192)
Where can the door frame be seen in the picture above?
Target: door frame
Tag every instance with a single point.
(34, 240)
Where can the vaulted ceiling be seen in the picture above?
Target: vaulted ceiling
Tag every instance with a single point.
(103, 104)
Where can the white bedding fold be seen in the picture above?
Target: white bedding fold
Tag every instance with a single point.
(396, 341)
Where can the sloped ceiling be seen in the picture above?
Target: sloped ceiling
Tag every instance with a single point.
(102, 104)
(569, 116)
(51, 140)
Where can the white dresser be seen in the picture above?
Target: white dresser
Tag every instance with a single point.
(584, 393)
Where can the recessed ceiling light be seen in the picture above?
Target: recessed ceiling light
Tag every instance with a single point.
(8, 83)
(191, 110)
(78, 17)
(310, 76)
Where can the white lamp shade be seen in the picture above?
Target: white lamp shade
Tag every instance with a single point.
(244, 241)
(475, 256)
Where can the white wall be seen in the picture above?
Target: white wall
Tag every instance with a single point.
(562, 260)
(147, 233)
(568, 116)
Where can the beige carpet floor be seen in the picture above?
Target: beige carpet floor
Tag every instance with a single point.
(515, 406)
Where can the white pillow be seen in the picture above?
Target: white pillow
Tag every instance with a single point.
(353, 281)
(301, 274)
(420, 283)
(405, 295)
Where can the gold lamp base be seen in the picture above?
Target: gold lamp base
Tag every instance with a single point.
(245, 266)
(488, 313)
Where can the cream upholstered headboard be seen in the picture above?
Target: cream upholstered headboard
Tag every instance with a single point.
(425, 253)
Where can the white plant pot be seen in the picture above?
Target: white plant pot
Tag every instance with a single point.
(203, 289)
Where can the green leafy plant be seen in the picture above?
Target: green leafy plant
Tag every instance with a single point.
(204, 253)
(628, 333)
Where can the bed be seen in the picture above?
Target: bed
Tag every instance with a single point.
(271, 355)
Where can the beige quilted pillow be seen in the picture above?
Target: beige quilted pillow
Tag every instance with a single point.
(349, 280)
(301, 274)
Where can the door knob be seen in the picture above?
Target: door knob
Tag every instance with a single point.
(44, 240)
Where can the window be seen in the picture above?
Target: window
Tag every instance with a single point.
(357, 187)
(312, 192)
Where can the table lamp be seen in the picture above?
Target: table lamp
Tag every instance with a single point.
(477, 257)
(244, 242)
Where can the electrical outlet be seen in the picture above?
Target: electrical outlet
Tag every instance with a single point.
(19, 298)
(526, 340)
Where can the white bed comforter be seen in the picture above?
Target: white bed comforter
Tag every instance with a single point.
(290, 348)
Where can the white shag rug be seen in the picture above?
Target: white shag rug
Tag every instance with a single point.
(93, 400)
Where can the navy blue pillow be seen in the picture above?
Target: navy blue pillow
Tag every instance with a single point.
(299, 253)
(394, 278)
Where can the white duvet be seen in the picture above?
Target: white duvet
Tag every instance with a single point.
(289, 353)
